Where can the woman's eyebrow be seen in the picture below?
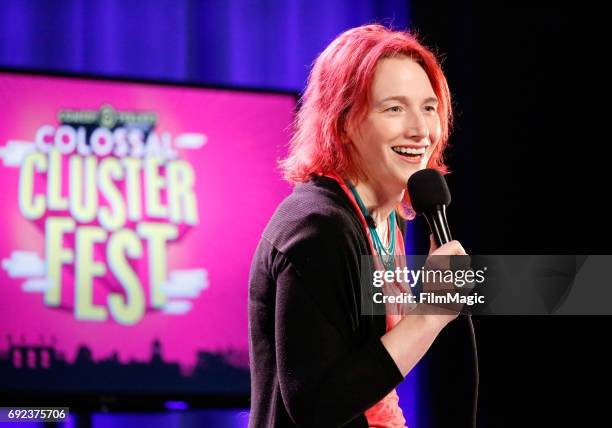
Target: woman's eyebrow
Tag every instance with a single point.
(405, 100)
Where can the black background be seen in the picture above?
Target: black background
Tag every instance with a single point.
(530, 159)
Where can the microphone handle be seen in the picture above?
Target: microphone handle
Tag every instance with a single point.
(436, 218)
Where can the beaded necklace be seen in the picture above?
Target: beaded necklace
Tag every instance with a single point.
(386, 254)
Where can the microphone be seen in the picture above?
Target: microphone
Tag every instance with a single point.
(429, 195)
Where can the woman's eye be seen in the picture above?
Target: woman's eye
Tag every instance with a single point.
(395, 109)
(430, 109)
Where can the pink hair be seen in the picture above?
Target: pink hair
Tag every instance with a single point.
(338, 97)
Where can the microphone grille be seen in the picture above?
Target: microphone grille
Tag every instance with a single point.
(427, 188)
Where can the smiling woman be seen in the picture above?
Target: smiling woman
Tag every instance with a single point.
(375, 111)
(400, 131)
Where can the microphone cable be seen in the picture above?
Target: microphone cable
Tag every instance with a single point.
(476, 372)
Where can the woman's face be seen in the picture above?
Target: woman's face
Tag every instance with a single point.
(398, 135)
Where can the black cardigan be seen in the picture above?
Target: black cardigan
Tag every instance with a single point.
(315, 360)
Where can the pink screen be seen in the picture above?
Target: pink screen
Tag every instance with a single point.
(130, 213)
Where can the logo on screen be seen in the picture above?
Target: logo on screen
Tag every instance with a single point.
(111, 195)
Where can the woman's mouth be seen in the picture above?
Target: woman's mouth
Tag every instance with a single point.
(410, 154)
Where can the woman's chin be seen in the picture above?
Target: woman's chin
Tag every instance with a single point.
(412, 171)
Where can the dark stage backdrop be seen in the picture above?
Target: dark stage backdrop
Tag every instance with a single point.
(531, 176)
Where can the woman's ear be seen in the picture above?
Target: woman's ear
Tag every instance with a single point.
(348, 128)
(345, 137)
(348, 134)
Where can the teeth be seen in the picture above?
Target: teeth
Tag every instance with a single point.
(409, 150)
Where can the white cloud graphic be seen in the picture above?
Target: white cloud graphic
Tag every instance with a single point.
(15, 152)
(177, 307)
(181, 285)
(28, 265)
(24, 264)
(190, 141)
(185, 283)
(36, 285)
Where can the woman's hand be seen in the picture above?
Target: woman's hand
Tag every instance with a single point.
(439, 259)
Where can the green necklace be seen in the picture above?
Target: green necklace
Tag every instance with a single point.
(386, 254)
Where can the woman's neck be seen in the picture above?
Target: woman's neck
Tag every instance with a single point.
(378, 200)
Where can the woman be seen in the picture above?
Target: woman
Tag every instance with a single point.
(376, 110)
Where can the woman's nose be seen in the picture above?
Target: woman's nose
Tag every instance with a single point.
(416, 126)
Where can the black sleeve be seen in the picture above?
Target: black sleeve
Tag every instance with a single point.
(324, 381)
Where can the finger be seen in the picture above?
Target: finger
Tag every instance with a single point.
(451, 248)
(456, 248)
